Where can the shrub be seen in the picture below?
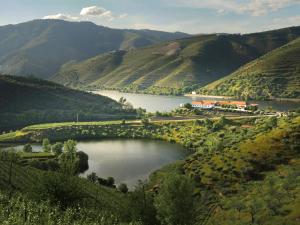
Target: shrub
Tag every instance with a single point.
(27, 148)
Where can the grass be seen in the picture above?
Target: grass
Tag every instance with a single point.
(70, 124)
(32, 155)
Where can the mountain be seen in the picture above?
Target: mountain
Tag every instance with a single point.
(40, 47)
(276, 74)
(26, 101)
(175, 66)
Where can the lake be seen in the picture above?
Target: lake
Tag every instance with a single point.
(153, 103)
(127, 160)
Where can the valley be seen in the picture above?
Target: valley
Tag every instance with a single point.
(149, 113)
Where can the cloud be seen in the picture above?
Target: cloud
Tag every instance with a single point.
(88, 13)
(286, 22)
(252, 7)
(61, 16)
(96, 11)
(123, 15)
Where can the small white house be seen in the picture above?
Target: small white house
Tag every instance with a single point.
(194, 93)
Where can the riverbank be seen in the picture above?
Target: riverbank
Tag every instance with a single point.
(210, 96)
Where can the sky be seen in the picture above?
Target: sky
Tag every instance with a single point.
(190, 16)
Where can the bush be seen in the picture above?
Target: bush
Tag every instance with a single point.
(59, 189)
(123, 188)
(57, 148)
(27, 148)
(175, 201)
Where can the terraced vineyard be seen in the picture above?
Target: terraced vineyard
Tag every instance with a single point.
(173, 67)
(274, 75)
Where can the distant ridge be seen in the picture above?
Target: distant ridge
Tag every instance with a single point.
(40, 47)
(173, 67)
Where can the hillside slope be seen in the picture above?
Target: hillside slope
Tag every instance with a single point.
(276, 74)
(176, 65)
(40, 47)
(26, 101)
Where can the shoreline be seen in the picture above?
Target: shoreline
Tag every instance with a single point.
(210, 96)
(203, 96)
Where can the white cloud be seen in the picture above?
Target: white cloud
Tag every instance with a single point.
(123, 15)
(96, 11)
(61, 16)
(88, 13)
(252, 7)
(285, 22)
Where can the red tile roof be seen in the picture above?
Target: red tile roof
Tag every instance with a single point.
(204, 102)
(209, 102)
(241, 103)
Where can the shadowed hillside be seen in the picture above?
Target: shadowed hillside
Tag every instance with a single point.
(27, 101)
(276, 74)
(40, 47)
(176, 66)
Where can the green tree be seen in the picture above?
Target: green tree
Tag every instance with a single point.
(69, 160)
(59, 189)
(188, 106)
(110, 181)
(123, 188)
(57, 148)
(46, 145)
(175, 201)
(27, 148)
(142, 205)
(92, 177)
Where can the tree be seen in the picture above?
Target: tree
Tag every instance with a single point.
(69, 160)
(208, 123)
(57, 148)
(188, 106)
(175, 201)
(27, 148)
(145, 121)
(123, 188)
(59, 189)
(83, 163)
(46, 145)
(110, 181)
(122, 100)
(142, 205)
(92, 177)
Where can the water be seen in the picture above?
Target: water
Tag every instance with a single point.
(126, 160)
(153, 103)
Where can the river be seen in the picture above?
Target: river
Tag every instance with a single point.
(153, 103)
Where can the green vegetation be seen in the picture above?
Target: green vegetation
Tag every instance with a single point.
(174, 67)
(40, 47)
(241, 171)
(274, 75)
(27, 101)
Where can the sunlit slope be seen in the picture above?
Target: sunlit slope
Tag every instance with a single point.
(276, 74)
(176, 64)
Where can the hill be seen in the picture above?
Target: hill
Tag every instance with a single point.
(276, 74)
(40, 47)
(29, 100)
(176, 66)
